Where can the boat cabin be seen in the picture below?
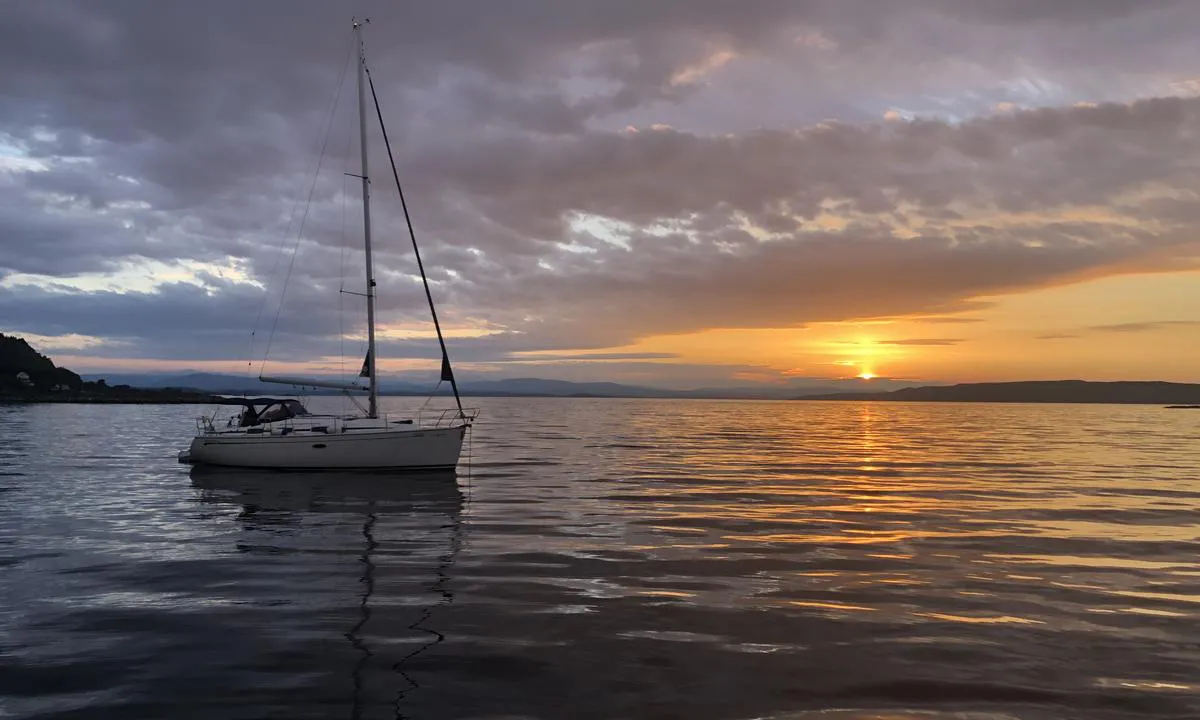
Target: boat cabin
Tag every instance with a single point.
(271, 412)
(259, 410)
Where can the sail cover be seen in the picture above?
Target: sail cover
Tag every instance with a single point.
(447, 371)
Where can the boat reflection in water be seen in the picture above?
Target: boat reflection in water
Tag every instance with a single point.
(407, 530)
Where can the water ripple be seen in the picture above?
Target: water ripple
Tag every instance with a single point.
(604, 558)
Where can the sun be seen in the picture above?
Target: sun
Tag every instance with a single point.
(866, 375)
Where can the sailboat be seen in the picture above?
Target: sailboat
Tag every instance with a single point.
(281, 433)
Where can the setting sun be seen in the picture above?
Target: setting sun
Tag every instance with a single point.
(866, 375)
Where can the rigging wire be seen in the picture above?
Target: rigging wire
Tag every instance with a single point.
(307, 207)
(447, 373)
(283, 238)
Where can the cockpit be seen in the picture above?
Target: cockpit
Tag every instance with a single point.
(271, 411)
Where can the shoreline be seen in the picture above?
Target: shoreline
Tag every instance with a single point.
(116, 399)
(207, 399)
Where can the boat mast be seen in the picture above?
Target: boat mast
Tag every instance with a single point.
(373, 408)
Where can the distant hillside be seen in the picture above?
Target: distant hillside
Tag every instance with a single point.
(24, 370)
(28, 376)
(1042, 391)
(557, 388)
(236, 384)
(207, 382)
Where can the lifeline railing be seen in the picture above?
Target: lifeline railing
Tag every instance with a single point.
(425, 418)
(445, 417)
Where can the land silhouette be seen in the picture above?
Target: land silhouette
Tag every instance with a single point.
(1035, 391)
(28, 376)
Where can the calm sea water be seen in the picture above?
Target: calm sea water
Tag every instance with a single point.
(614, 559)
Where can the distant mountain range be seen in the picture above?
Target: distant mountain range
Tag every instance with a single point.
(524, 387)
(1048, 391)
(1042, 391)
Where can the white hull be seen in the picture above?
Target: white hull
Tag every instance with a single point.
(409, 449)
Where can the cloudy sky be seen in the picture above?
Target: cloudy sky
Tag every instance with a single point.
(675, 192)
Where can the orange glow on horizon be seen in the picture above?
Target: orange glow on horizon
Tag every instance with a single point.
(1124, 327)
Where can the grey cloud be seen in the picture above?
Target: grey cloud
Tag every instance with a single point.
(923, 341)
(543, 357)
(928, 53)
(178, 320)
(824, 278)
(206, 62)
(1144, 326)
(225, 320)
(947, 320)
(667, 282)
(1056, 336)
(1035, 11)
(1024, 162)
